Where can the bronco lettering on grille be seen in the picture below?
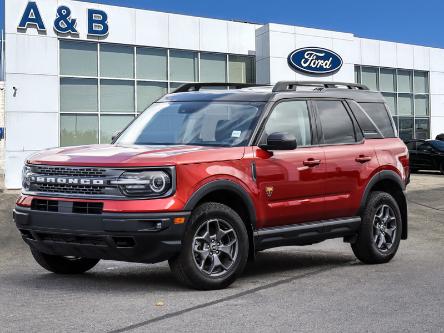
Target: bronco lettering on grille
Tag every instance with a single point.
(64, 180)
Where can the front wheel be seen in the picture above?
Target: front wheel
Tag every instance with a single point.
(63, 265)
(215, 248)
(381, 229)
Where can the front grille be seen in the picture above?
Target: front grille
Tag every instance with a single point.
(70, 189)
(71, 239)
(45, 205)
(70, 182)
(90, 208)
(73, 172)
(76, 207)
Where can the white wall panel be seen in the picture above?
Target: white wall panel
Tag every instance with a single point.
(37, 93)
(213, 35)
(347, 50)
(263, 71)
(280, 71)
(310, 41)
(262, 46)
(14, 10)
(436, 83)
(281, 44)
(31, 131)
(387, 53)
(421, 58)
(345, 74)
(436, 60)
(241, 38)
(31, 54)
(370, 53)
(437, 126)
(122, 27)
(151, 28)
(437, 105)
(404, 55)
(184, 32)
(14, 162)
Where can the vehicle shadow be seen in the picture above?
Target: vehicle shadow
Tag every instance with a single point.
(124, 278)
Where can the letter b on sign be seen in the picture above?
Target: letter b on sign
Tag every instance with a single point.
(97, 23)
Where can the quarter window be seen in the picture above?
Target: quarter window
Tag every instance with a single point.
(337, 126)
(293, 118)
(378, 113)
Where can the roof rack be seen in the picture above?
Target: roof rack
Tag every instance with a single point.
(292, 85)
(187, 87)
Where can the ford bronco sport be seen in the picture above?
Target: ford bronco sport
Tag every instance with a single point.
(206, 178)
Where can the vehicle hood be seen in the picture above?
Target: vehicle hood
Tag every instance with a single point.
(134, 156)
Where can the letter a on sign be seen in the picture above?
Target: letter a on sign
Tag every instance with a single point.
(97, 23)
(32, 18)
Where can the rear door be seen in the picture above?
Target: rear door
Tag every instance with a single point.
(291, 182)
(350, 159)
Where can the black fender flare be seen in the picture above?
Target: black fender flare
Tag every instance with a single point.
(393, 176)
(226, 185)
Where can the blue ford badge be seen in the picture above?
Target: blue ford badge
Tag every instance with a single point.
(315, 60)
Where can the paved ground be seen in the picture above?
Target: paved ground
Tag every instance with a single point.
(318, 288)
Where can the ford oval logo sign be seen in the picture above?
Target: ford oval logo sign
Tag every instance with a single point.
(315, 60)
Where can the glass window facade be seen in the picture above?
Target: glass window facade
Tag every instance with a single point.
(104, 86)
(407, 94)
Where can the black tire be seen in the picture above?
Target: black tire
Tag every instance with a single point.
(414, 170)
(441, 168)
(63, 265)
(185, 266)
(366, 248)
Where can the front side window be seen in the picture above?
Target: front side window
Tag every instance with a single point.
(290, 117)
(194, 123)
(337, 126)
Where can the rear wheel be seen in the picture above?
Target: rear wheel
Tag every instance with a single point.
(215, 248)
(380, 234)
(63, 265)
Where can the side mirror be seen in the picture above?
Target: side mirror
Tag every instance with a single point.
(115, 136)
(280, 141)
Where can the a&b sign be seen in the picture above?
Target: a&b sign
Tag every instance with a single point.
(64, 23)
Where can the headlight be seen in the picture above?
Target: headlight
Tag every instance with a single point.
(145, 183)
(26, 171)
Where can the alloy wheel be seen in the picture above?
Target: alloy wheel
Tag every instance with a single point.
(215, 247)
(384, 228)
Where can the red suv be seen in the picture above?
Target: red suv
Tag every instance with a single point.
(206, 178)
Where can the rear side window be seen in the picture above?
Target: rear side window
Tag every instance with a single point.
(337, 126)
(380, 116)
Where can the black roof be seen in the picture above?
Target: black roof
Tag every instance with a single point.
(253, 93)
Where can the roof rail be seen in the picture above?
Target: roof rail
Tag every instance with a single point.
(187, 87)
(292, 85)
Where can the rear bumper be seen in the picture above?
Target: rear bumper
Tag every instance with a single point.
(145, 238)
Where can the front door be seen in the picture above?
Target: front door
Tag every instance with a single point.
(291, 182)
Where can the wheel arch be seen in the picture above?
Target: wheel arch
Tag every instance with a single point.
(390, 182)
(234, 196)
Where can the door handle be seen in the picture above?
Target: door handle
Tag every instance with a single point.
(363, 159)
(311, 162)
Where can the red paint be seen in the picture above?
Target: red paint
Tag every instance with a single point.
(306, 184)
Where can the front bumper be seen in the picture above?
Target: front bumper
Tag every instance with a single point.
(144, 238)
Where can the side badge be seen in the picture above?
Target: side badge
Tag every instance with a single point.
(269, 190)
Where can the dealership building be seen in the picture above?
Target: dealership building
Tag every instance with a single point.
(77, 72)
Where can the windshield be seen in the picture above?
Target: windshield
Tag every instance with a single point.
(194, 123)
(438, 145)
